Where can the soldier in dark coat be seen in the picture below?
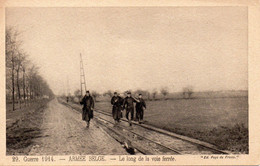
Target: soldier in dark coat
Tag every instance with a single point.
(128, 104)
(140, 107)
(88, 107)
(117, 103)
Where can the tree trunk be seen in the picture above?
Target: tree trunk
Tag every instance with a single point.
(24, 94)
(13, 100)
(32, 93)
(18, 86)
(27, 94)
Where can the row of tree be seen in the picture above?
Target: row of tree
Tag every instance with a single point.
(187, 93)
(23, 81)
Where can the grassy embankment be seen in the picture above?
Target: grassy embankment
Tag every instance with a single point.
(22, 126)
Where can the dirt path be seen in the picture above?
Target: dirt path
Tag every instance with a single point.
(64, 133)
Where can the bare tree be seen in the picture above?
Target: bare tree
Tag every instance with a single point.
(164, 91)
(32, 78)
(95, 95)
(154, 93)
(148, 95)
(145, 93)
(27, 90)
(187, 92)
(13, 90)
(11, 49)
(19, 61)
(77, 93)
(24, 82)
(21, 80)
(108, 93)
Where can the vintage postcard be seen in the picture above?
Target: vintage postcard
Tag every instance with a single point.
(130, 82)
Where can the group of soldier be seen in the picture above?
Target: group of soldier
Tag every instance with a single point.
(119, 105)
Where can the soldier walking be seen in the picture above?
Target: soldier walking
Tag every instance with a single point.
(88, 107)
(128, 104)
(117, 103)
(140, 107)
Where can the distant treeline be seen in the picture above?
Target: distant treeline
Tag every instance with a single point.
(23, 81)
(164, 94)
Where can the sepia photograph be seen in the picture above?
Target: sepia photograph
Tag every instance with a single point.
(126, 81)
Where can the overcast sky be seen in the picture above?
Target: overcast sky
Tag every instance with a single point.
(131, 48)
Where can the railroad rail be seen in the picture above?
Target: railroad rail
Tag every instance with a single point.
(122, 130)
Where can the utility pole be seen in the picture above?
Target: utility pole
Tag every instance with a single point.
(82, 76)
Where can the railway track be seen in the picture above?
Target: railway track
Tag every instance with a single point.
(140, 137)
(184, 138)
(125, 136)
(150, 140)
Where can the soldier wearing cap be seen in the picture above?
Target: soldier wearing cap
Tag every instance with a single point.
(140, 107)
(117, 103)
(128, 104)
(88, 107)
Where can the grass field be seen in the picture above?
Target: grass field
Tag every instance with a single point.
(220, 121)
